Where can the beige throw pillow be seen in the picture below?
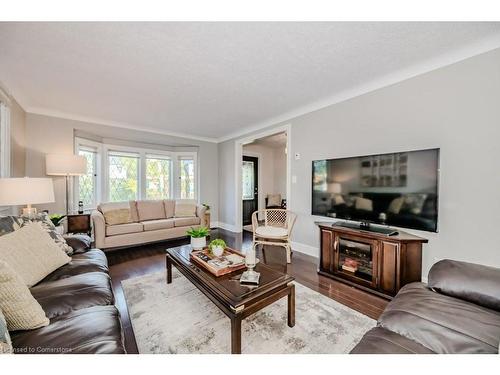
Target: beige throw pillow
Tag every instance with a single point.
(117, 216)
(274, 200)
(31, 253)
(185, 208)
(20, 309)
(364, 204)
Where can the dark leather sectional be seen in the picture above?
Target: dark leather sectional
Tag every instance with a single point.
(78, 300)
(457, 312)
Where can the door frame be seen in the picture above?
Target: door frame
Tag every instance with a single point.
(238, 153)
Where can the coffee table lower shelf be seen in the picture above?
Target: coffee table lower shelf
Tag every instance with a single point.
(235, 311)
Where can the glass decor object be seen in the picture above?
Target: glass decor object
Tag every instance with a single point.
(250, 276)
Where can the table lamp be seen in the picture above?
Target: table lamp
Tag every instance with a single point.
(65, 165)
(26, 191)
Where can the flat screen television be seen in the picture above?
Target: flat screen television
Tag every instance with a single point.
(397, 189)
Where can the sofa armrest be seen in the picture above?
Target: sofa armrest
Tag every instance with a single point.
(80, 243)
(467, 281)
(200, 212)
(99, 226)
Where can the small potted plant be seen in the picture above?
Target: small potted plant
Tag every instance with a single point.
(217, 247)
(57, 219)
(198, 237)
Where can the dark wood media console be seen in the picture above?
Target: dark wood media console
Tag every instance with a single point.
(371, 261)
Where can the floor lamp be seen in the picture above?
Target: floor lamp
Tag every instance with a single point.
(67, 165)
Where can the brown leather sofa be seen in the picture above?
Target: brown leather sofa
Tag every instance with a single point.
(458, 311)
(78, 300)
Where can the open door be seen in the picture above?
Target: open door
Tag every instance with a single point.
(250, 173)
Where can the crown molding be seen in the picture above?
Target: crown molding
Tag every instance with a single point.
(486, 45)
(69, 116)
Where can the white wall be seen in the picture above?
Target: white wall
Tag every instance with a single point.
(45, 134)
(455, 108)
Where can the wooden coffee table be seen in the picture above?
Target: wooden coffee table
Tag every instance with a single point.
(235, 300)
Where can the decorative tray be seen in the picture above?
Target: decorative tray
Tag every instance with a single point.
(228, 262)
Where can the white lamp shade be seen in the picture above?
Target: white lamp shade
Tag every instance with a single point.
(20, 191)
(65, 165)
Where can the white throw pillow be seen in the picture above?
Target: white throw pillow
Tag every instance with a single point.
(31, 253)
(185, 208)
(20, 309)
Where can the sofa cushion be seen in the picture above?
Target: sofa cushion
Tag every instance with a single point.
(185, 208)
(151, 210)
(20, 309)
(113, 230)
(93, 330)
(186, 221)
(92, 261)
(169, 207)
(115, 212)
(31, 253)
(158, 224)
(441, 323)
(381, 341)
(77, 292)
(471, 282)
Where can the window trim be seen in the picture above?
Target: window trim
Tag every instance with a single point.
(102, 170)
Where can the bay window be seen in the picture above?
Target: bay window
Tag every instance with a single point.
(130, 173)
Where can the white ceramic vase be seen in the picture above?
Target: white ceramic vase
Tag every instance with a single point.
(198, 243)
(217, 251)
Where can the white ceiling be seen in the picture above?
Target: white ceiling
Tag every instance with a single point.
(214, 80)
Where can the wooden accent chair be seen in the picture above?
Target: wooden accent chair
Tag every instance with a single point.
(275, 230)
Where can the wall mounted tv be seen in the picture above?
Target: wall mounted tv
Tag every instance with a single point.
(398, 189)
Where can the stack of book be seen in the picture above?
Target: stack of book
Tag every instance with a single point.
(350, 265)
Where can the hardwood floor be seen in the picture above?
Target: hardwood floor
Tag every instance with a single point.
(146, 259)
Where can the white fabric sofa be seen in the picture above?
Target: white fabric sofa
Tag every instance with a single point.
(121, 224)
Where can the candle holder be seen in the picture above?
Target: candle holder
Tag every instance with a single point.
(250, 276)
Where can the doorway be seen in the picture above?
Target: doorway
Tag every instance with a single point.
(250, 187)
(262, 175)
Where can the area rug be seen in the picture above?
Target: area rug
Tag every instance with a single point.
(177, 318)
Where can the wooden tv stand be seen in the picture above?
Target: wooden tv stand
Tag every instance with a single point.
(371, 261)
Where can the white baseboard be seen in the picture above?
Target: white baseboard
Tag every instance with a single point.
(305, 249)
(225, 226)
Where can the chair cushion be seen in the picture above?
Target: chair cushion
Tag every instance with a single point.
(185, 208)
(271, 232)
(441, 323)
(113, 230)
(158, 224)
(95, 330)
(20, 309)
(77, 292)
(151, 210)
(186, 221)
(31, 253)
(381, 341)
(92, 261)
(169, 208)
